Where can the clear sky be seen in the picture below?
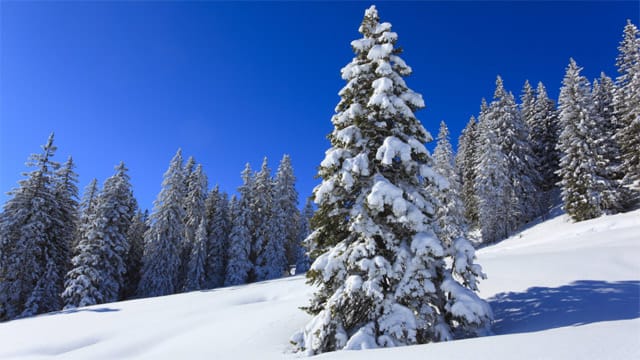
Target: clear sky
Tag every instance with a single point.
(231, 83)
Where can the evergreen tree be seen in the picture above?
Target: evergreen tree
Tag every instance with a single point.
(579, 181)
(493, 185)
(268, 238)
(382, 279)
(543, 137)
(304, 230)
(466, 163)
(162, 242)
(86, 210)
(608, 162)
(286, 214)
(450, 212)
(66, 192)
(217, 208)
(31, 278)
(239, 264)
(196, 276)
(98, 269)
(627, 103)
(135, 236)
(194, 209)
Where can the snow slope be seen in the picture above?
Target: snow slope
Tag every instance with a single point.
(558, 290)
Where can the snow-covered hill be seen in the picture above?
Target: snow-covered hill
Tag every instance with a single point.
(558, 290)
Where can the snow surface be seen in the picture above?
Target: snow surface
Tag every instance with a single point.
(559, 290)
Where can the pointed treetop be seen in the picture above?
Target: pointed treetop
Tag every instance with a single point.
(444, 131)
(541, 90)
(500, 92)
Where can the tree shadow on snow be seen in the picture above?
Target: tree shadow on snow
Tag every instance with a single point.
(96, 310)
(581, 302)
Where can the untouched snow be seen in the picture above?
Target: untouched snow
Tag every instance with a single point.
(558, 290)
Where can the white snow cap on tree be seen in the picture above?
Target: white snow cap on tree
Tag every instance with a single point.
(382, 277)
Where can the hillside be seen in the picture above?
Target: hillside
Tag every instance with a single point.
(559, 290)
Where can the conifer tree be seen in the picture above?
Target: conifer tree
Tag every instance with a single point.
(86, 209)
(238, 254)
(450, 211)
(31, 279)
(382, 279)
(493, 185)
(99, 267)
(268, 238)
(135, 236)
(627, 103)
(217, 208)
(579, 182)
(303, 261)
(466, 162)
(614, 196)
(161, 258)
(194, 209)
(543, 137)
(286, 214)
(196, 276)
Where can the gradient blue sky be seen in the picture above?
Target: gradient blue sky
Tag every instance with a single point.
(231, 83)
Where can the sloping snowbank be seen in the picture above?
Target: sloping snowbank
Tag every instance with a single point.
(559, 291)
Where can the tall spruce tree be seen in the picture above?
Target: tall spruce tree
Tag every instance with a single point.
(99, 267)
(196, 277)
(286, 213)
(627, 103)
(303, 261)
(217, 208)
(135, 236)
(196, 185)
(86, 209)
(614, 196)
(579, 182)
(450, 220)
(543, 137)
(31, 275)
(466, 161)
(493, 185)
(382, 279)
(239, 263)
(161, 259)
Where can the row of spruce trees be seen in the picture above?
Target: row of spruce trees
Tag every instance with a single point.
(393, 263)
(57, 253)
(514, 158)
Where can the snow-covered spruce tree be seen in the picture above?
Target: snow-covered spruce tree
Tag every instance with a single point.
(267, 246)
(27, 244)
(450, 220)
(493, 185)
(466, 162)
(382, 280)
(161, 258)
(66, 192)
(238, 262)
(97, 274)
(86, 209)
(303, 261)
(194, 206)
(614, 197)
(196, 277)
(135, 236)
(543, 137)
(579, 181)
(217, 209)
(628, 103)
(286, 213)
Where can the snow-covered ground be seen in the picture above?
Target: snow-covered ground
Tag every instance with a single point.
(558, 290)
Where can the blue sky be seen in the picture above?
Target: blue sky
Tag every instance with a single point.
(233, 82)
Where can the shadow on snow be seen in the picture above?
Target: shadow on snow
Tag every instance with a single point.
(581, 302)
